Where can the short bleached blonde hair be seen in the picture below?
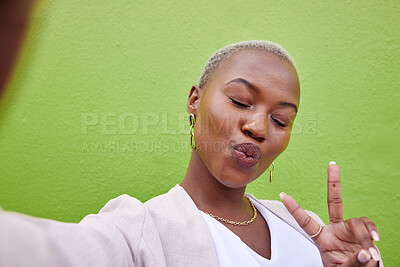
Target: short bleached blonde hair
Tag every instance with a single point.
(227, 51)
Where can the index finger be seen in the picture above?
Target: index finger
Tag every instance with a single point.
(308, 224)
(335, 206)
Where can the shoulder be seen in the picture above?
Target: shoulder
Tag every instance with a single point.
(122, 202)
(125, 223)
(119, 212)
(176, 203)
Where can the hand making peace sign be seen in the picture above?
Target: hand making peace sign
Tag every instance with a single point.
(341, 243)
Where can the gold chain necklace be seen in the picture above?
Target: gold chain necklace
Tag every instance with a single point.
(234, 222)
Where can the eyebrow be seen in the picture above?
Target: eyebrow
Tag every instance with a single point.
(287, 104)
(245, 82)
(254, 88)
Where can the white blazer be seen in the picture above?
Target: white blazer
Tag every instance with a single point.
(167, 230)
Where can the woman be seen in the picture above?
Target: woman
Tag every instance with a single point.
(241, 116)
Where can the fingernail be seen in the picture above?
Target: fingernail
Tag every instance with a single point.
(282, 195)
(332, 162)
(363, 256)
(374, 254)
(375, 236)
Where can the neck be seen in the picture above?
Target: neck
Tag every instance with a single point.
(208, 193)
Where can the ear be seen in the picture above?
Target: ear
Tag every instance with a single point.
(194, 99)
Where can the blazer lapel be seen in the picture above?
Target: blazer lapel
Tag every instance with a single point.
(184, 235)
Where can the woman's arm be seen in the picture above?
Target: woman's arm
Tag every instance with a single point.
(119, 235)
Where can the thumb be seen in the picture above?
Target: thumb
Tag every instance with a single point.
(360, 258)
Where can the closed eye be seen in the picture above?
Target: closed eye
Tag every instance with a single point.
(239, 104)
(278, 122)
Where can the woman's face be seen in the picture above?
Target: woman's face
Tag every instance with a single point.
(244, 116)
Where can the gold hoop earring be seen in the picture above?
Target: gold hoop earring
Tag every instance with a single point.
(270, 171)
(192, 121)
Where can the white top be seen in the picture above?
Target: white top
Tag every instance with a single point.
(288, 246)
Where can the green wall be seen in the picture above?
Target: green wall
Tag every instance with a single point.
(97, 106)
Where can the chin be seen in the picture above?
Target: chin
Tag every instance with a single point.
(239, 181)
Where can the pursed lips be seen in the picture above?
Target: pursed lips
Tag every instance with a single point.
(247, 154)
(250, 149)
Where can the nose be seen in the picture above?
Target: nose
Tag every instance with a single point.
(256, 128)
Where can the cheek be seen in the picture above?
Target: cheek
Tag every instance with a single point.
(213, 131)
(215, 123)
(277, 143)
